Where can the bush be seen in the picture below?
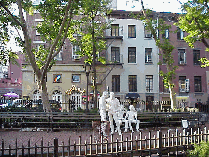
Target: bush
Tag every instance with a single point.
(79, 110)
(201, 150)
(95, 110)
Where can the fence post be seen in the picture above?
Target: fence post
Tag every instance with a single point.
(160, 142)
(2, 147)
(55, 147)
(29, 147)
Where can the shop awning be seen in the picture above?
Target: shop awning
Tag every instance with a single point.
(132, 95)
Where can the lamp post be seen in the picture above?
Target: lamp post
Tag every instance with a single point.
(87, 69)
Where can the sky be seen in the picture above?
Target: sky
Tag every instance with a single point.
(156, 5)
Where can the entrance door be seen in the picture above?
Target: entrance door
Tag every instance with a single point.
(57, 96)
(76, 98)
(149, 102)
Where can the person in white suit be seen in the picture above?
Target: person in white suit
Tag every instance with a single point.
(113, 106)
(132, 118)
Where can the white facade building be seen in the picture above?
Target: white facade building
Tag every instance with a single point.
(132, 46)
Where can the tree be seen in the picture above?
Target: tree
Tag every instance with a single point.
(158, 25)
(195, 21)
(57, 20)
(90, 31)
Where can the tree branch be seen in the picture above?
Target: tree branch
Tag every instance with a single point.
(8, 11)
(57, 39)
(27, 40)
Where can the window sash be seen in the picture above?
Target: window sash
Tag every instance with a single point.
(115, 54)
(197, 84)
(196, 57)
(114, 30)
(132, 31)
(148, 55)
(182, 55)
(166, 34)
(131, 55)
(180, 34)
(57, 78)
(75, 78)
(116, 83)
(149, 83)
(132, 83)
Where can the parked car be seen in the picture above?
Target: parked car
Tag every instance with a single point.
(4, 105)
(17, 102)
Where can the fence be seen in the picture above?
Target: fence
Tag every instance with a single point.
(160, 144)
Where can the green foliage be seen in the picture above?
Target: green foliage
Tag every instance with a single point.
(158, 27)
(79, 110)
(95, 110)
(201, 150)
(195, 21)
(90, 29)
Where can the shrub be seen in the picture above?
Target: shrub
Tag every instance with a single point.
(95, 110)
(201, 150)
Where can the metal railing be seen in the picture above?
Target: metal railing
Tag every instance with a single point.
(159, 144)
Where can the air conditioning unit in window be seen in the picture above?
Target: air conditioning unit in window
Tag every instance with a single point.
(148, 35)
(181, 63)
(76, 58)
(182, 90)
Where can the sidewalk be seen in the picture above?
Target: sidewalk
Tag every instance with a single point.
(23, 137)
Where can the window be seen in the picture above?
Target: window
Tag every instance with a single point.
(76, 49)
(59, 55)
(165, 90)
(114, 30)
(166, 34)
(131, 31)
(197, 84)
(115, 54)
(57, 78)
(180, 34)
(182, 56)
(196, 57)
(131, 55)
(147, 33)
(38, 23)
(183, 84)
(38, 46)
(116, 83)
(76, 78)
(148, 55)
(149, 83)
(132, 83)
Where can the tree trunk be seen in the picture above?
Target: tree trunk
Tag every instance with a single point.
(45, 98)
(94, 65)
(172, 97)
(172, 92)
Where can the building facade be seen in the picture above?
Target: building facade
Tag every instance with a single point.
(191, 80)
(130, 44)
(67, 80)
(11, 77)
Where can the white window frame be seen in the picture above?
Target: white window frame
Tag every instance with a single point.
(148, 60)
(76, 81)
(184, 60)
(38, 21)
(147, 34)
(59, 55)
(184, 84)
(74, 55)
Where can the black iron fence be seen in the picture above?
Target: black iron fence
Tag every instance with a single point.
(160, 144)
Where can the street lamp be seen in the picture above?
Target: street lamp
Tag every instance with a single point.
(87, 70)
